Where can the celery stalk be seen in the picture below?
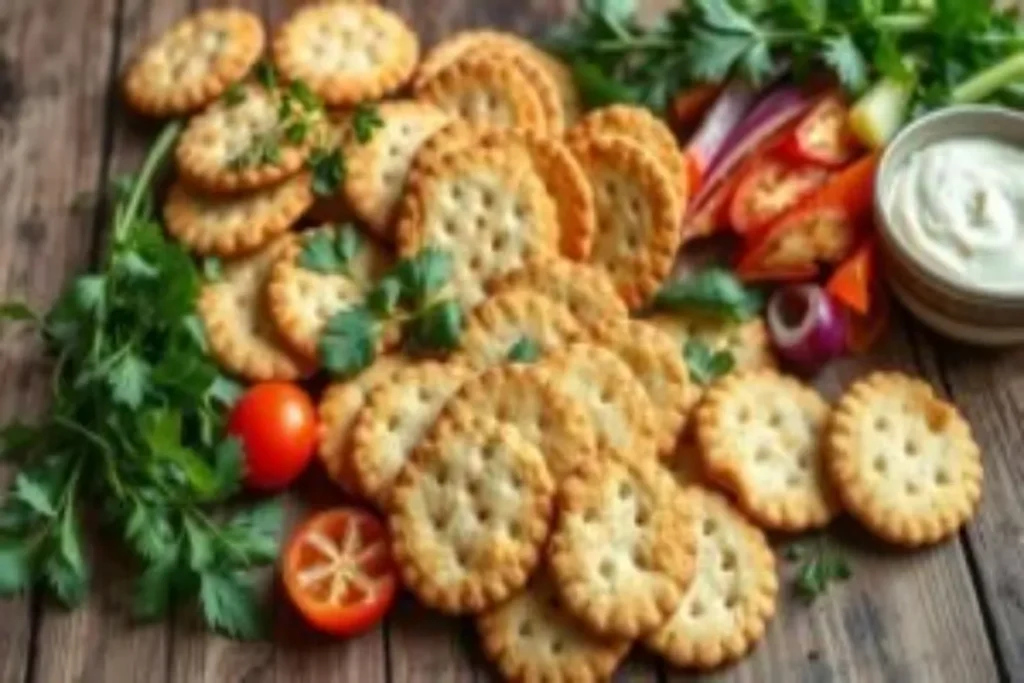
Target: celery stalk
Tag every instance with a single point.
(989, 81)
(880, 113)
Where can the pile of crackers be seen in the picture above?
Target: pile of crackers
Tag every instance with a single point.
(561, 477)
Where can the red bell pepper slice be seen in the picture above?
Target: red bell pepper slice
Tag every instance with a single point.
(823, 136)
(853, 281)
(824, 229)
(770, 188)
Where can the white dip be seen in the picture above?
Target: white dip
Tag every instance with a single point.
(958, 206)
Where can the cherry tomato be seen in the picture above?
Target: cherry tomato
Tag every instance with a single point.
(823, 136)
(770, 188)
(339, 573)
(276, 422)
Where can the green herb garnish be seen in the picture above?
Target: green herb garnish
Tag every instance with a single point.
(234, 95)
(330, 250)
(266, 74)
(328, 170)
(706, 365)
(213, 269)
(135, 431)
(365, 121)
(525, 350)
(713, 292)
(820, 567)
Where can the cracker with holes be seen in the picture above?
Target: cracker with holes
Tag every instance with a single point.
(586, 291)
(623, 549)
(515, 316)
(239, 146)
(645, 129)
(194, 62)
(338, 409)
(686, 463)
(748, 342)
(377, 169)
(488, 209)
(396, 416)
(496, 90)
(761, 435)
(323, 272)
(734, 591)
(623, 416)
(523, 396)
(904, 461)
(532, 638)
(638, 210)
(657, 362)
(472, 511)
(347, 53)
(239, 331)
(486, 42)
(231, 225)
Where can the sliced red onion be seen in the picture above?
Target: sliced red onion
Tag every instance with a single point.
(728, 112)
(806, 326)
(777, 110)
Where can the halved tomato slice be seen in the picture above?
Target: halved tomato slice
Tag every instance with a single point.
(823, 136)
(339, 573)
(770, 188)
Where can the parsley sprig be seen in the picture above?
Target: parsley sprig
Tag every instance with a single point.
(135, 433)
(714, 292)
(820, 566)
(410, 296)
(706, 365)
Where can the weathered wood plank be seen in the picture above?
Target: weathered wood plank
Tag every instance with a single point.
(53, 97)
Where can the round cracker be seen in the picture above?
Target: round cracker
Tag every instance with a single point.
(531, 638)
(733, 593)
(211, 152)
(338, 409)
(487, 208)
(301, 300)
(645, 129)
(503, 320)
(524, 397)
(761, 436)
(471, 513)
(230, 225)
(623, 548)
(637, 215)
(492, 90)
(686, 463)
(238, 329)
(194, 62)
(623, 416)
(396, 416)
(903, 460)
(658, 363)
(586, 291)
(748, 342)
(347, 53)
(377, 170)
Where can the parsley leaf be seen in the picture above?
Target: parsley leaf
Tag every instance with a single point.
(229, 604)
(424, 275)
(705, 365)
(366, 120)
(234, 95)
(525, 350)
(128, 380)
(848, 62)
(304, 96)
(822, 566)
(266, 74)
(328, 167)
(349, 342)
(213, 269)
(437, 328)
(330, 251)
(15, 567)
(715, 291)
(383, 299)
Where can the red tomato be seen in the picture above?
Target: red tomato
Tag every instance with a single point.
(339, 573)
(823, 136)
(770, 188)
(276, 422)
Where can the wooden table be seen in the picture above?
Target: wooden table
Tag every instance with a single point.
(954, 613)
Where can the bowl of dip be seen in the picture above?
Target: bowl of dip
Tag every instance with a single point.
(949, 199)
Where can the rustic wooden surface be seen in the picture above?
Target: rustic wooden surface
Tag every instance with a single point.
(954, 613)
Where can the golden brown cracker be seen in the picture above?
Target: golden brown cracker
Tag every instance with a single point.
(623, 548)
(230, 225)
(658, 363)
(503, 320)
(523, 396)
(621, 412)
(762, 437)
(532, 638)
(471, 514)
(233, 310)
(347, 53)
(487, 208)
(377, 170)
(734, 591)
(903, 460)
(396, 416)
(338, 409)
(236, 147)
(194, 62)
(638, 211)
(748, 342)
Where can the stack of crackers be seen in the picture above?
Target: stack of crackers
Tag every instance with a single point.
(562, 477)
